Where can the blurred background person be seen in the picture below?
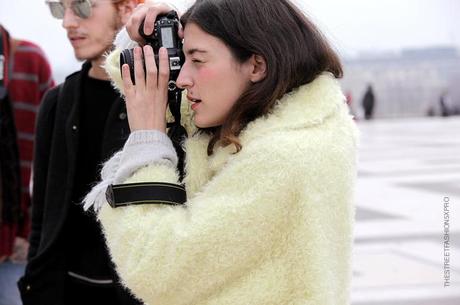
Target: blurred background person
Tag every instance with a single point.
(349, 101)
(80, 124)
(445, 104)
(25, 77)
(368, 103)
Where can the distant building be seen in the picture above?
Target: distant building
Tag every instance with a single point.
(408, 83)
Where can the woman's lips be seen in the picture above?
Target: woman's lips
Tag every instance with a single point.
(195, 104)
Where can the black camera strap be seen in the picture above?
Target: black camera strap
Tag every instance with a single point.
(145, 193)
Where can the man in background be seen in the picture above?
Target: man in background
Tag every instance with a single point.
(81, 123)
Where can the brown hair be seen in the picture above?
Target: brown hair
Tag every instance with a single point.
(294, 49)
(119, 3)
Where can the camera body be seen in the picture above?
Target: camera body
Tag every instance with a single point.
(165, 34)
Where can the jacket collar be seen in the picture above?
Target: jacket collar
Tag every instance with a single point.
(71, 94)
(305, 106)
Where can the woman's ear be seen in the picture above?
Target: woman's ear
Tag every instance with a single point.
(259, 68)
(125, 10)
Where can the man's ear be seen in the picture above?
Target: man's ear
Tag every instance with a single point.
(259, 68)
(125, 10)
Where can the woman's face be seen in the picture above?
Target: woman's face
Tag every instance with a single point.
(214, 79)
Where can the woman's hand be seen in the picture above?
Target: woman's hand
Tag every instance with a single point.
(148, 11)
(147, 100)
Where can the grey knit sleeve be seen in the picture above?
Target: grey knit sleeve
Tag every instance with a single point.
(143, 147)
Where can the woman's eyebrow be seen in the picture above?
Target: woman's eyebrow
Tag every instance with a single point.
(195, 50)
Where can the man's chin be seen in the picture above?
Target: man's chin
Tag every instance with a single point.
(79, 56)
(82, 57)
(93, 56)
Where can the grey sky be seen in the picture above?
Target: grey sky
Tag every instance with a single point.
(353, 26)
(366, 25)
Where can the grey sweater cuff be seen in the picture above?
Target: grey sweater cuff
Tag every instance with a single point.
(145, 147)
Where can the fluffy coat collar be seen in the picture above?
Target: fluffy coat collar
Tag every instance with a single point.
(307, 106)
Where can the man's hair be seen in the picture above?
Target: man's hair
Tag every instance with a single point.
(294, 49)
(118, 3)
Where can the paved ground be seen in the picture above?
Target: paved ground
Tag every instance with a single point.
(408, 170)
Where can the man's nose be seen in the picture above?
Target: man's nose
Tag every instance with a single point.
(70, 20)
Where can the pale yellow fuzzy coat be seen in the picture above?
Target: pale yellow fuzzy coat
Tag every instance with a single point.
(271, 224)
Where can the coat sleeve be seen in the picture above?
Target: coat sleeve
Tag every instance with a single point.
(178, 255)
(43, 138)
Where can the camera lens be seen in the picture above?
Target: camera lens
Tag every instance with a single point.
(127, 57)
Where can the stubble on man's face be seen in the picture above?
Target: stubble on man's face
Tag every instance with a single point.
(107, 40)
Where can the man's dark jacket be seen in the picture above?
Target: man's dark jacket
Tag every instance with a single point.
(10, 184)
(54, 170)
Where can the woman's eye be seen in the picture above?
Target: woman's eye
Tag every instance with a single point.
(196, 61)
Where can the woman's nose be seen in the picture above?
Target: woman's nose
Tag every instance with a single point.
(184, 81)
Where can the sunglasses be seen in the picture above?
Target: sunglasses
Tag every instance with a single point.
(81, 8)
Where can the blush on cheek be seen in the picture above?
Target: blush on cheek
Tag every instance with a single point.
(207, 74)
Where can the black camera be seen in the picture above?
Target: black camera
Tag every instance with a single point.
(164, 35)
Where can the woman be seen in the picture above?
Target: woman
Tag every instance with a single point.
(270, 165)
